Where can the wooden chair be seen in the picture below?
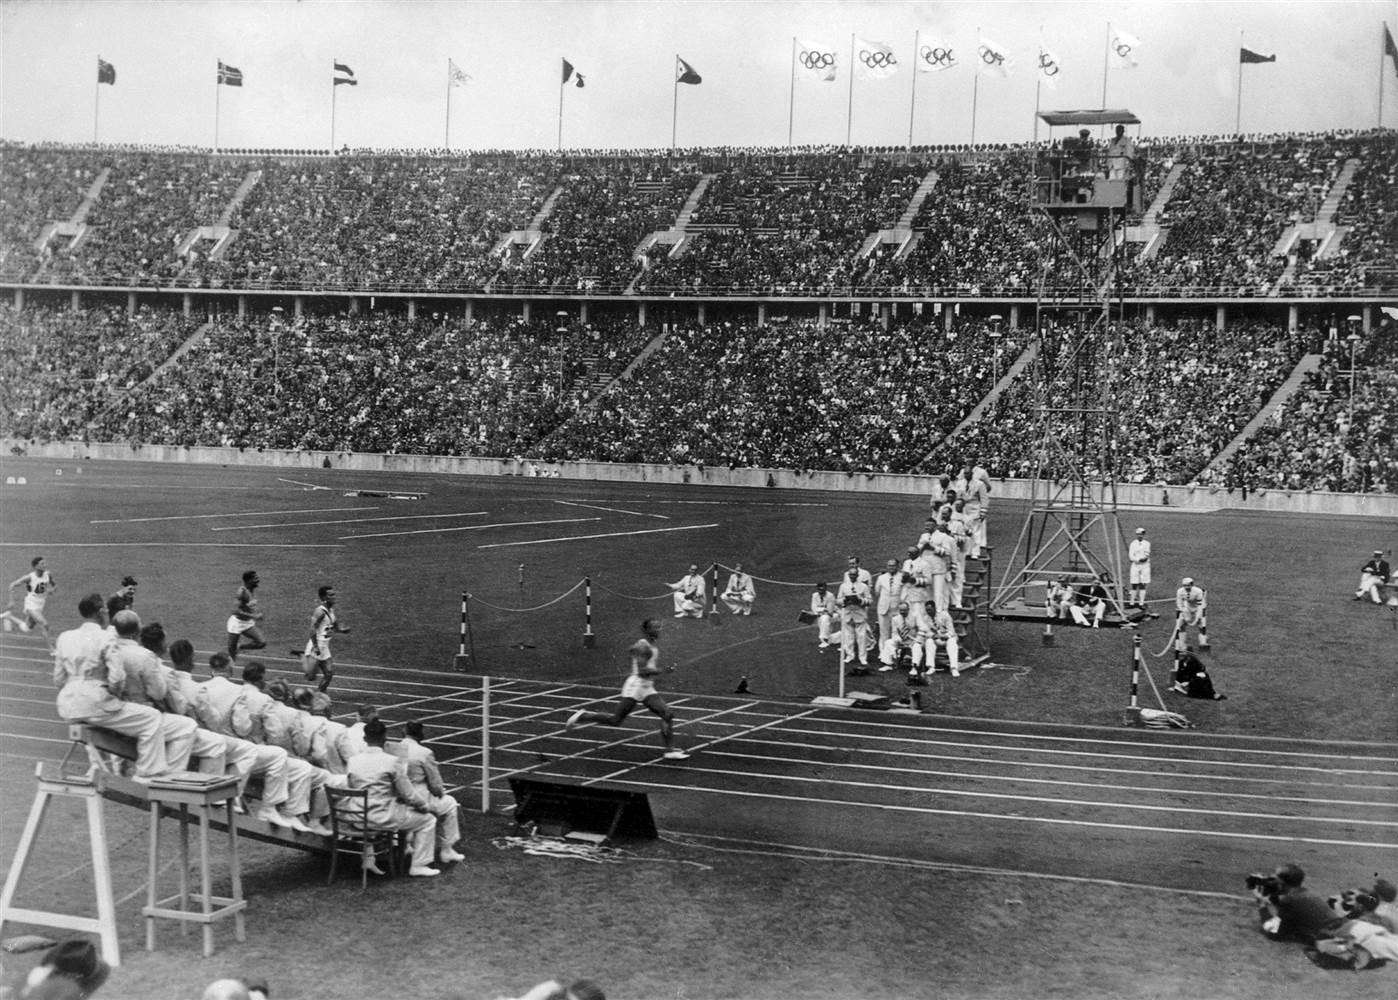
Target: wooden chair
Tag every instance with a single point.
(352, 833)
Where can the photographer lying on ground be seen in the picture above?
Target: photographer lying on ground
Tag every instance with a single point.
(1288, 911)
(1345, 931)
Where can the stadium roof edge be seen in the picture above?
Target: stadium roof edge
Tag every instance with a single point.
(1100, 116)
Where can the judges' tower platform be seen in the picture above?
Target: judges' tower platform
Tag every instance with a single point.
(1072, 532)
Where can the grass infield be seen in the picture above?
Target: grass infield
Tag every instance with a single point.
(688, 916)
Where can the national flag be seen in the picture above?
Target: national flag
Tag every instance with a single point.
(874, 60)
(456, 76)
(994, 57)
(815, 60)
(1049, 68)
(343, 74)
(1390, 311)
(229, 76)
(569, 73)
(935, 55)
(1246, 55)
(685, 72)
(106, 72)
(1390, 49)
(1124, 46)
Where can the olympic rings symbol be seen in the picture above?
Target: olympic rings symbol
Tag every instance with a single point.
(1122, 49)
(1047, 64)
(817, 60)
(877, 60)
(937, 56)
(990, 57)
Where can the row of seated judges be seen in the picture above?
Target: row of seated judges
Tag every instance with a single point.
(115, 678)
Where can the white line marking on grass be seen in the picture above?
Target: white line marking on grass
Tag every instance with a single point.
(172, 545)
(1008, 817)
(349, 520)
(297, 482)
(474, 527)
(236, 513)
(614, 510)
(713, 742)
(830, 854)
(583, 538)
(726, 503)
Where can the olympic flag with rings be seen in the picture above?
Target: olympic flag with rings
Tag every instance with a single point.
(874, 60)
(994, 58)
(815, 60)
(1124, 46)
(1049, 68)
(935, 55)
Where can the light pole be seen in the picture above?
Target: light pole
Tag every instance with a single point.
(995, 319)
(277, 312)
(1353, 340)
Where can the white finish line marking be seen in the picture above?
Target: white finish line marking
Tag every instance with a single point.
(474, 527)
(583, 538)
(236, 513)
(614, 510)
(349, 520)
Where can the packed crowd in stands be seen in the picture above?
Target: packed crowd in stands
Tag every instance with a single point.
(1335, 434)
(1180, 392)
(850, 397)
(61, 369)
(788, 222)
(853, 395)
(374, 383)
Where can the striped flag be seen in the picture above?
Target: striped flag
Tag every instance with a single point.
(935, 55)
(815, 60)
(456, 76)
(343, 74)
(106, 72)
(874, 60)
(229, 76)
(570, 73)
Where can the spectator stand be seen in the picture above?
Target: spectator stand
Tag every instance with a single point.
(1072, 528)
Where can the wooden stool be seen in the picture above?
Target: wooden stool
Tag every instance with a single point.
(203, 794)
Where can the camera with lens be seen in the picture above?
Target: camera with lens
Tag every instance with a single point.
(852, 601)
(1263, 884)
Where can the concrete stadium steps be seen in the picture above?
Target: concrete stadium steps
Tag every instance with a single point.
(915, 202)
(250, 181)
(1149, 233)
(1307, 365)
(1020, 363)
(189, 343)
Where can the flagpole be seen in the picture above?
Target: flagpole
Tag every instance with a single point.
(97, 97)
(912, 101)
(675, 102)
(1038, 83)
(975, 91)
(216, 99)
(849, 108)
(1383, 54)
(333, 89)
(1238, 116)
(1106, 57)
(561, 87)
(446, 134)
(791, 104)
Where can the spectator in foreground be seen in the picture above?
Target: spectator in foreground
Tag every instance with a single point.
(579, 989)
(69, 968)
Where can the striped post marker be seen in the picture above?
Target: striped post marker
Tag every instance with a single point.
(589, 640)
(1133, 710)
(463, 658)
(714, 617)
(485, 744)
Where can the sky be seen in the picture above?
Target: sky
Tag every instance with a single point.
(1327, 74)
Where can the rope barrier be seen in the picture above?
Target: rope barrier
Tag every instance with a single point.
(630, 597)
(1170, 643)
(496, 607)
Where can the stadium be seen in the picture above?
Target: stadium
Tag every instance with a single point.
(1083, 349)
